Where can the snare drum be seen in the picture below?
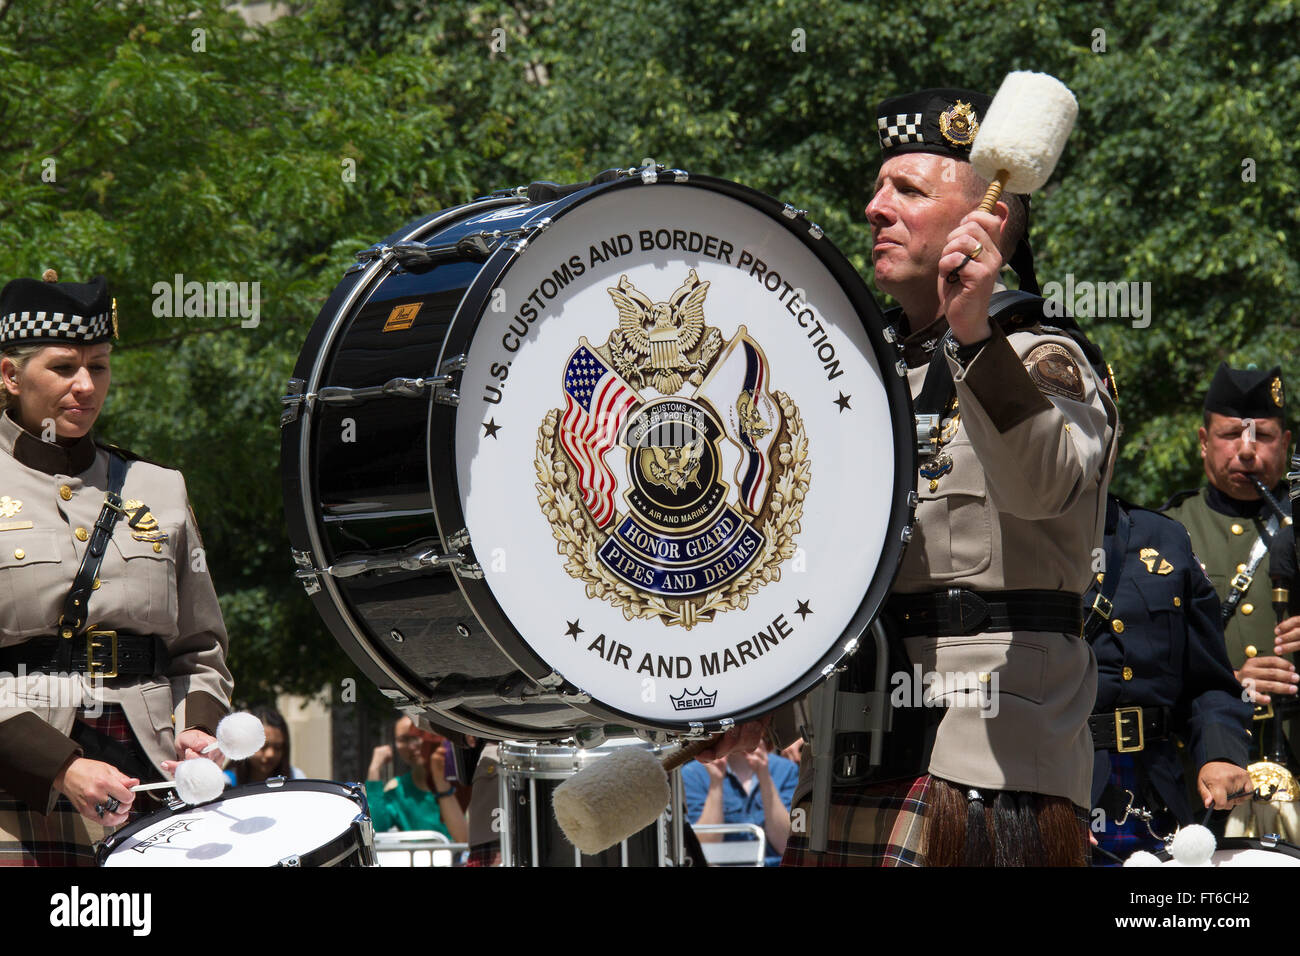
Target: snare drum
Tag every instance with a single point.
(275, 823)
(636, 455)
(1247, 851)
(530, 835)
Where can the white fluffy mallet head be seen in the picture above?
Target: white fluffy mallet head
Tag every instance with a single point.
(1143, 858)
(1024, 131)
(1192, 846)
(611, 799)
(199, 780)
(240, 735)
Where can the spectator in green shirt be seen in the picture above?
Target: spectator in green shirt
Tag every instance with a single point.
(421, 799)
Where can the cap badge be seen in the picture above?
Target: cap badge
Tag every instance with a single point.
(1275, 390)
(958, 124)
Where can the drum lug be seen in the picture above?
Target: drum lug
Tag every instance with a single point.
(367, 256)
(695, 729)
(454, 364)
(906, 534)
(445, 393)
(901, 368)
(291, 861)
(306, 572)
(790, 212)
(913, 499)
(293, 397)
(889, 334)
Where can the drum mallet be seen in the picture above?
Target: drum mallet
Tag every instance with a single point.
(198, 780)
(1021, 137)
(619, 795)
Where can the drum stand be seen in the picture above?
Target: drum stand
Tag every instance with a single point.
(835, 712)
(530, 836)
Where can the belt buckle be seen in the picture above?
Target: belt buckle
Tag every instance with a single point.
(1242, 581)
(1120, 745)
(91, 644)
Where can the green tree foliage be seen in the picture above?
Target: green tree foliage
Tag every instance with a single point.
(227, 160)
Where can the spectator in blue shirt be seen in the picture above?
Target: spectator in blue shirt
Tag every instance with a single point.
(738, 789)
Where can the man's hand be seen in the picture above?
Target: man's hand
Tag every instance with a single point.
(717, 771)
(744, 736)
(1286, 636)
(1262, 676)
(1217, 779)
(88, 783)
(758, 761)
(966, 301)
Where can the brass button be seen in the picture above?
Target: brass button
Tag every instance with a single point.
(1251, 650)
(157, 549)
(985, 677)
(95, 586)
(65, 492)
(1178, 602)
(933, 484)
(1117, 626)
(1101, 576)
(1248, 609)
(82, 534)
(1237, 529)
(1241, 569)
(19, 553)
(1128, 673)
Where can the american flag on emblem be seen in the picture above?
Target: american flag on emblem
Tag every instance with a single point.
(596, 403)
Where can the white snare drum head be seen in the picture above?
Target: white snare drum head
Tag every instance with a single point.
(675, 453)
(1252, 856)
(256, 829)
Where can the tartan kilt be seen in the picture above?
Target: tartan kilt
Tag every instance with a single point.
(64, 837)
(878, 825)
(484, 854)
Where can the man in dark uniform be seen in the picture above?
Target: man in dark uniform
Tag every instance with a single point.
(1162, 671)
(1244, 435)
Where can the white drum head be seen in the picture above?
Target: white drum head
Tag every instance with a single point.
(255, 829)
(675, 453)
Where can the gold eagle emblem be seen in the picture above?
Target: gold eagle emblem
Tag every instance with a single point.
(655, 337)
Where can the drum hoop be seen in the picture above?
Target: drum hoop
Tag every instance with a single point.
(329, 601)
(1242, 843)
(352, 791)
(444, 481)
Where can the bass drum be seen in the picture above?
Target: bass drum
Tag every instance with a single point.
(632, 453)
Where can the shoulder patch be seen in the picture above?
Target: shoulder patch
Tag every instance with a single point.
(1054, 370)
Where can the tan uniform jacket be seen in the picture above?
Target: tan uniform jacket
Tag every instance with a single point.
(1022, 508)
(50, 497)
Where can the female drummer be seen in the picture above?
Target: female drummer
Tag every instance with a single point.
(111, 668)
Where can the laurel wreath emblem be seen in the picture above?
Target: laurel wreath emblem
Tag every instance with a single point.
(578, 539)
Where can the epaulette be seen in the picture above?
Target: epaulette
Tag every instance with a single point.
(129, 455)
(1131, 507)
(1018, 311)
(1178, 498)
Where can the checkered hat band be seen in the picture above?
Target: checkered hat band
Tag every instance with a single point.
(17, 327)
(898, 129)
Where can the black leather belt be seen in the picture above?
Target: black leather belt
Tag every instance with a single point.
(958, 611)
(98, 653)
(1128, 729)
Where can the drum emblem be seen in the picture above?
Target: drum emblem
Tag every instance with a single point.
(670, 403)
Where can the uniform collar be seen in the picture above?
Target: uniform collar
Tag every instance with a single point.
(45, 456)
(1227, 505)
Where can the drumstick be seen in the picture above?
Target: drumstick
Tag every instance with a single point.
(1021, 137)
(194, 783)
(239, 736)
(618, 795)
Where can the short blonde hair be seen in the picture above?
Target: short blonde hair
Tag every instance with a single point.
(19, 356)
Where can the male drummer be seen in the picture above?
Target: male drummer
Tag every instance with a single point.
(1012, 497)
